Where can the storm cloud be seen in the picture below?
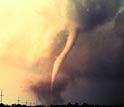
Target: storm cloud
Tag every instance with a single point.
(93, 71)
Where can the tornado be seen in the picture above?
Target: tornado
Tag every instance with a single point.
(73, 34)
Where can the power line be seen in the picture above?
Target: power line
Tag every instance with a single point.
(1, 96)
(18, 100)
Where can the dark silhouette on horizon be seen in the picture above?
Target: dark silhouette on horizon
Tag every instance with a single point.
(64, 105)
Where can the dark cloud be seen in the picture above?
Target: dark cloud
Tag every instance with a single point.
(99, 63)
(47, 96)
(119, 24)
(94, 12)
(93, 71)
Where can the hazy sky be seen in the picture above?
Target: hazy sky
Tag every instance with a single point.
(27, 30)
(34, 32)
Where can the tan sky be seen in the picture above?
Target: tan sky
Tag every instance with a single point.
(27, 29)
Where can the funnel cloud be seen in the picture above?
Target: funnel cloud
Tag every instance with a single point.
(73, 34)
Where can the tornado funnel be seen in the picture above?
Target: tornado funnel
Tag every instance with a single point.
(73, 34)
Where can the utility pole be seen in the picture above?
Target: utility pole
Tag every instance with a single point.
(26, 102)
(1, 96)
(18, 100)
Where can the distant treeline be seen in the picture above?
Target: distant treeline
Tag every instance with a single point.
(65, 105)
